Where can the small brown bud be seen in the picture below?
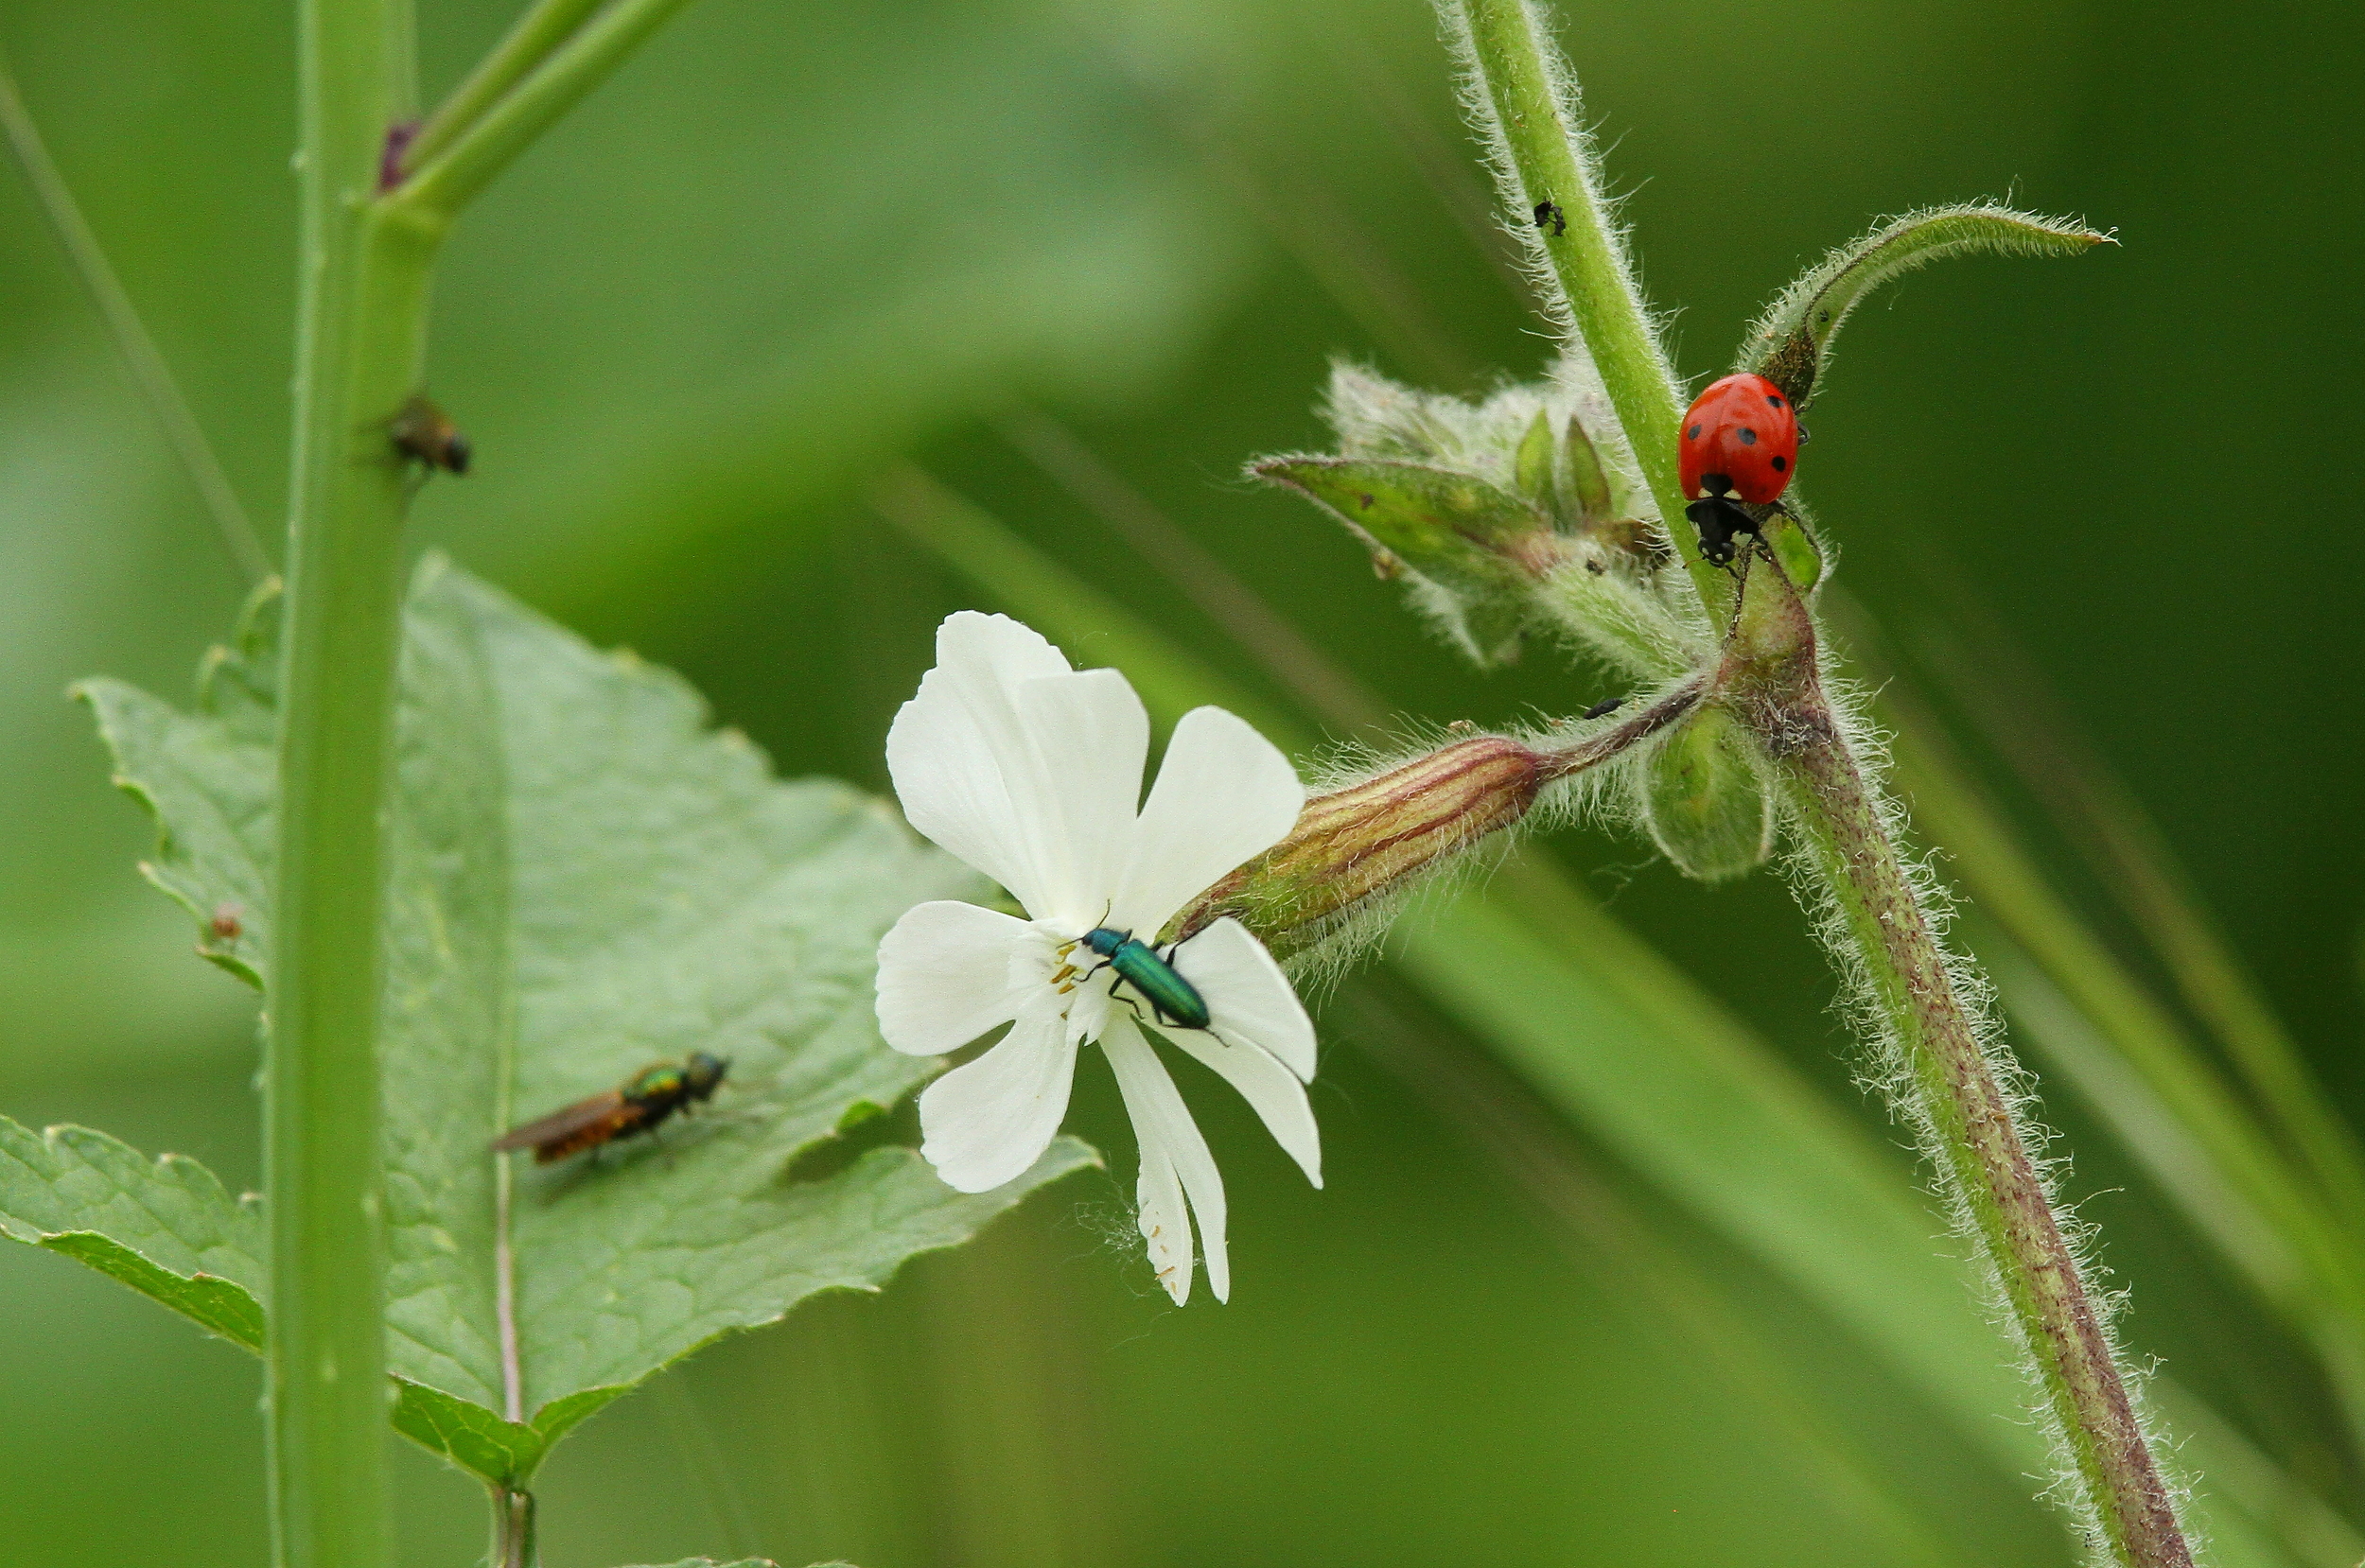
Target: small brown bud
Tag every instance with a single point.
(1359, 844)
(228, 922)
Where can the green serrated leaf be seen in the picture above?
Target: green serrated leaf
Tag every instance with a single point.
(209, 782)
(164, 1226)
(1791, 343)
(584, 878)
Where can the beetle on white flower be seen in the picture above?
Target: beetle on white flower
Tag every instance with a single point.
(1030, 771)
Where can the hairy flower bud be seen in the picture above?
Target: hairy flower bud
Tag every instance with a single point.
(1702, 799)
(1355, 845)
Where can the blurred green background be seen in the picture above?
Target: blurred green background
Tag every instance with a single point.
(792, 247)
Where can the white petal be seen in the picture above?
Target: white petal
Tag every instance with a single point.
(1270, 1089)
(1093, 738)
(964, 767)
(1224, 794)
(1165, 1222)
(1172, 1149)
(946, 976)
(985, 1121)
(1248, 997)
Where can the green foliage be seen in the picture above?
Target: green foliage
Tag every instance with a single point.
(842, 236)
(584, 878)
(1790, 344)
(1703, 802)
(164, 1226)
(1474, 541)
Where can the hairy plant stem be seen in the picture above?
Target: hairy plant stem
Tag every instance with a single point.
(362, 318)
(1524, 99)
(1519, 83)
(1943, 1071)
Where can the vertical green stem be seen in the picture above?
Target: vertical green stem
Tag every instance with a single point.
(1944, 1074)
(1527, 100)
(363, 272)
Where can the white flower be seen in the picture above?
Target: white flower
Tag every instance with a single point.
(1031, 772)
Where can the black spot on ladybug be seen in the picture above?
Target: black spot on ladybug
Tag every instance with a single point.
(1782, 464)
(1692, 434)
(1748, 437)
(1776, 401)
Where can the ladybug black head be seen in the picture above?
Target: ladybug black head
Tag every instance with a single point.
(1719, 520)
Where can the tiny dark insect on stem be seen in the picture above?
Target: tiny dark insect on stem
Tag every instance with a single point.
(1549, 216)
(424, 434)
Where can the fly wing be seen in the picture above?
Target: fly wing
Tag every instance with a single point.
(563, 1127)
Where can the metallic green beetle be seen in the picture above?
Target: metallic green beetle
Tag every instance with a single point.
(1175, 1000)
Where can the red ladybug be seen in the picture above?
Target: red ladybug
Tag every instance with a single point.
(1739, 444)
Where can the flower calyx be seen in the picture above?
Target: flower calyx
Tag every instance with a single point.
(1355, 846)
(1356, 849)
